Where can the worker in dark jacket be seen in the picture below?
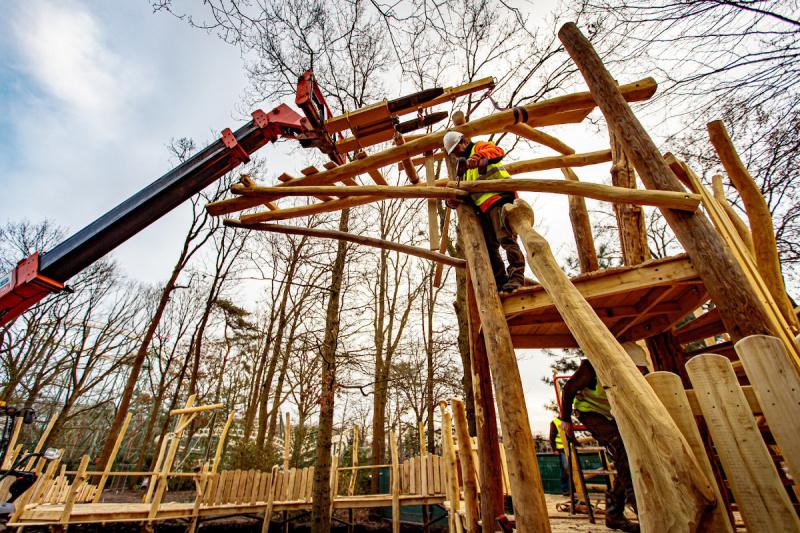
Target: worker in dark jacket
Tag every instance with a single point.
(482, 162)
(558, 448)
(592, 408)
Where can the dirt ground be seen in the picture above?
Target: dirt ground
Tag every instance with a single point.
(560, 522)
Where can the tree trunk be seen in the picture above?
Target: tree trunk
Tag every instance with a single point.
(321, 500)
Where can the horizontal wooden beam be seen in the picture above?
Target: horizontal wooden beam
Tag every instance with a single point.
(559, 161)
(605, 193)
(649, 274)
(199, 408)
(555, 108)
(356, 239)
(386, 191)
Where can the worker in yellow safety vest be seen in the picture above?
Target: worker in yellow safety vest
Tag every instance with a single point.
(558, 449)
(481, 161)
(584, 392)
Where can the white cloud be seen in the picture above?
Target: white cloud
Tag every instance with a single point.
(63, 48)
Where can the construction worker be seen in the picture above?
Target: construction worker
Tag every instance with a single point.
(594, 411)
(481, 161)
(558, 449)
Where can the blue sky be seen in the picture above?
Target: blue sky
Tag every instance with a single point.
(91, 93)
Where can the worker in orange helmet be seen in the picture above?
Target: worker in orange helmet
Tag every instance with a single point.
(481, 161)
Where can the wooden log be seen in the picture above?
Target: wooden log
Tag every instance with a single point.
(669, 389)
(539, 112)
(467, 466)
(437, 275)
(558, 161)
(201, 484)
(287, 440)
(665, 472)
(385, 191)
(221, 443)
(581, 227)
(356, 239)
(395, 486)
(408, 167)
(605, 193)
(352, 484)
(112, 457)
(270, 500)
(532, 134)
(433, 214)
(722, 275)
(198, 409)
(763, 232)
(490, 472)
(777, 387)
(630, 218)
(757, 489)
(738, 223)
(526, 483)
(449, 456)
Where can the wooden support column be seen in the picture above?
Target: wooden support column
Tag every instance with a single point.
(738, 223)
(490, 467)
(722, 275)
(395, 485)
(630, 218)
(523, 468)
(758, 212)
(449, 457)
(671, 491)
(467, 467)
(111, 458)
(221, 443)
(581, 227)
(433, 215)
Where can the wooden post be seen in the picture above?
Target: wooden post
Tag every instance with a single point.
(665, 472)
(467, 466)
(669, 389)
(490, 460)
(433, 214)
(738, 223)
(287, 442)
(77, 483)
(777, 388)
(111, 458)
(221, 442)
(630, 218)
(449, 456)
(757, 489)
(273, 484)
(763, 232)
(581, 227)
(395, 486)
(724, 278)
(352, 486)
(201, 484)
(523, 468)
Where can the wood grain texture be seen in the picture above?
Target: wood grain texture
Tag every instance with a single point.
(671, 492)
(669, 389)
(468, 480)
(777, 387)
(757, 489)
(723, 276)
(523, 468)
(581, 227)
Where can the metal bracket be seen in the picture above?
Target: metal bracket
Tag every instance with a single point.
(237, 152)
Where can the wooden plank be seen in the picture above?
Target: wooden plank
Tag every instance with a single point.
(777, 387)
(430, 481)
(351, 486)
(270, 500)
(669, 389)
(302, 488)
(288, 487)
(413, 482)
(674, 481)
(756, 487)
(80, 479)
(220, 494)
(310, 487)
(437, 474)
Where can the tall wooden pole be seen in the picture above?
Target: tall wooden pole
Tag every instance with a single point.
(741, 311)
(523, 468)
(491, 468)
(671, 491)
(581, 227)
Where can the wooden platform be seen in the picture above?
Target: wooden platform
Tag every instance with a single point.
(634, 302)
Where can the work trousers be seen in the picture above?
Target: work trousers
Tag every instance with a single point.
(562, 457)
(497, 235)
(606, 432)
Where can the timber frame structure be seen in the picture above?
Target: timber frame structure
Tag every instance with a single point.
(703, 406)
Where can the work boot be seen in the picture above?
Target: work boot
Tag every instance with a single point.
(510, 286)
(615, 515)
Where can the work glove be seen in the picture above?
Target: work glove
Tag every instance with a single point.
(461, 166)
(482, 164)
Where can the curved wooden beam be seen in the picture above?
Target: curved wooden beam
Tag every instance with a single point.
(385, 191)
(559, 161)
(355, 239)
